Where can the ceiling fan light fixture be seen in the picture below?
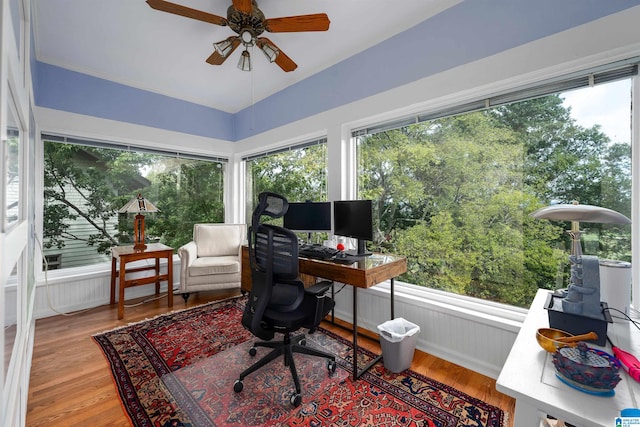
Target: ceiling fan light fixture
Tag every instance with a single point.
(224, 48)
(270, 51)
(247, 37)
(245, 61)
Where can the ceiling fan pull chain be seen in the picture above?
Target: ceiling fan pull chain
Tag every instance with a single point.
(252, 96)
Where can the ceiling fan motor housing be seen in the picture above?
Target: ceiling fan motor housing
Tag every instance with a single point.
(240, 21)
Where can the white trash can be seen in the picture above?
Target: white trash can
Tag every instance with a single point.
(398, 339)
(615, 287)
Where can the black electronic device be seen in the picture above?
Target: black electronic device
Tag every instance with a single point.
(308, 217)
(354, 218)
(316, 251)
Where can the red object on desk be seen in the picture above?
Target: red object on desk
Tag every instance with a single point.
(629, 362)
(340, 247)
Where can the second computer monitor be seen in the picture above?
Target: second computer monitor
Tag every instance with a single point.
(308, 217)
(354, 218)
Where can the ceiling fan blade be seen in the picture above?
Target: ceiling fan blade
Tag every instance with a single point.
(216, 59)
(243, 6)
(314, 22)
(282, 59)
(285, 62)
(177, 9)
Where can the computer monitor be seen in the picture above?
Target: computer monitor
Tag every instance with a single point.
(354, 218)
(308, 217)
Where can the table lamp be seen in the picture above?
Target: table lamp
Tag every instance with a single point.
(581, 310)
(138, 205)
(575, 213)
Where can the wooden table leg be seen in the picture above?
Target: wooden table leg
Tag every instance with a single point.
(170, 278)
(121, 286)
(157, 275)
(112, 299)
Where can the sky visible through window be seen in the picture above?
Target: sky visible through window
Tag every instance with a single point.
(606, 105)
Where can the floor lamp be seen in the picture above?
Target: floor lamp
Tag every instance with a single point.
(138, 205)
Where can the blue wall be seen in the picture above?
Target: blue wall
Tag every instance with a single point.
(468, 31)
(65, 90)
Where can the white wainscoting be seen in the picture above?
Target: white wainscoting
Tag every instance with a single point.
(459, 333)
(88, 288)
(475, 340)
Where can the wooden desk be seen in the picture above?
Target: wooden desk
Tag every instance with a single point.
(528, 375)
(366, 273)
(126, 254)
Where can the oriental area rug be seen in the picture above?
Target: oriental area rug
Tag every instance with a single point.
(178, 370)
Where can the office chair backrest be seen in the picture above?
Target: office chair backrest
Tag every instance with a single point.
(273, 255)
(283, 241)
(270, 204)
(276, 252)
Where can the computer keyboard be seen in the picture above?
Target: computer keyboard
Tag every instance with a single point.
(316, 251)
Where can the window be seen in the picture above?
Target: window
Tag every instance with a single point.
(299, 173)
(86, 182)
(453, 190)
(11, 160)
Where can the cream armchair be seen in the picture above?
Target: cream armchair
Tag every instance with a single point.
(212, 260)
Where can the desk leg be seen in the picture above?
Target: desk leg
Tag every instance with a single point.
(333, 297)
(112, 298)
(157, 275)
(121, 286)
(357, 374)
(526, 415)
(355, 333)
(393, 316)
(170, 278)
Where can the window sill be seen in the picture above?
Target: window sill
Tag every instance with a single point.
(487, 312)
(87, 272)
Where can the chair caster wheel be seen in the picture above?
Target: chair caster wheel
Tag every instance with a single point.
(238, 386)
(296, 399)
(331, 366)
(303, 342)
(253, 351)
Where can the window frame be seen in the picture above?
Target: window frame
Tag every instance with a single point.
(245, 158)
(98, 269)
(628, 68)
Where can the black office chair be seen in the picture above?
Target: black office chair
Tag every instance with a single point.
(278, 301)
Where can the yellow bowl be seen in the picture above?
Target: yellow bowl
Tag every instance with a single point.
(546, 337)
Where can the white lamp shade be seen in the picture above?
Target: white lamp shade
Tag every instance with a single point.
(270, 51)
(581, 213)
(225, 47)
(245, 61)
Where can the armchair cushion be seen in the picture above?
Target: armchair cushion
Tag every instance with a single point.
(205, 266)
(214, 240)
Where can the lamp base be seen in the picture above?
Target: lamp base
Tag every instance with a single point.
(138, 233)
(578, 324)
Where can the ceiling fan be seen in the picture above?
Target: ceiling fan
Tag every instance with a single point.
(244, 18)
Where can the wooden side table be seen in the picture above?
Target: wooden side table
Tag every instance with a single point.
(126, 254)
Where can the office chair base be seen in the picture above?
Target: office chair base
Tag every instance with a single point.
(286, 348)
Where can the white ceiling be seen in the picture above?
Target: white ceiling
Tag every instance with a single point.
(128, 42)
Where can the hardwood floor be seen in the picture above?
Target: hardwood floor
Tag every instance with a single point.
(71, 383)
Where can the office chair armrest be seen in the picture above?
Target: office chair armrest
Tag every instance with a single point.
(319, 288)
